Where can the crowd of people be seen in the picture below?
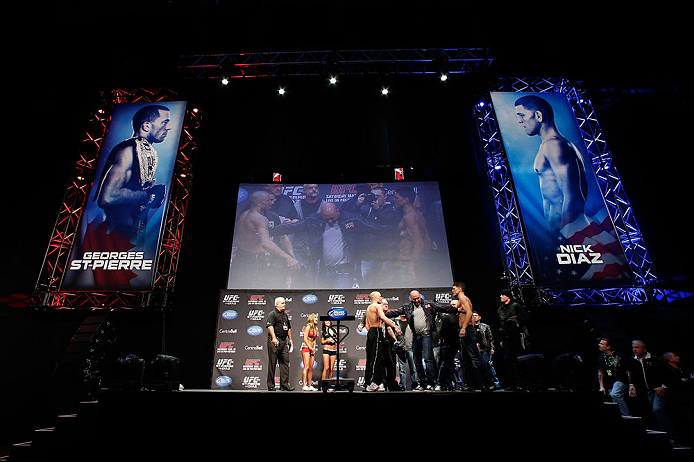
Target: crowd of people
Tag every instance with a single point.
(426, 345)
(434, 347)
(649, 385)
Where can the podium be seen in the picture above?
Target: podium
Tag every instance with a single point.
(338, 383)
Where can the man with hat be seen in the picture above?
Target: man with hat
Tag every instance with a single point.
(512, 331)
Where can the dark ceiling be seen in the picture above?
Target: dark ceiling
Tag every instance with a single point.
(630, 62)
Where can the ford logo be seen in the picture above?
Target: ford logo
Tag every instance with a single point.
(243, 194)
(337, 313)
(309, 299)
(230, 314)
(223, 381)
(254, 330)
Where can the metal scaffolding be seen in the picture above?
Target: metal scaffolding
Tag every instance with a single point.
(343, 62)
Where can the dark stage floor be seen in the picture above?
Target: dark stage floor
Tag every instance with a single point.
(212, 424)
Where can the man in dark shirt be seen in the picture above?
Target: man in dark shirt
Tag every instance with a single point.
(420, 315)
(279, 341)
(612, 375)
(512, 334)
(649, 377)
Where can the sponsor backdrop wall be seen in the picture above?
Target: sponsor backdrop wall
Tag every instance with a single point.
(240, 350)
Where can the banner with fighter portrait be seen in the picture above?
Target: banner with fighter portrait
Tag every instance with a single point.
(118, 237)
(571, 236)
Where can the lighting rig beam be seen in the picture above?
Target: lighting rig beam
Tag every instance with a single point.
(344, 62)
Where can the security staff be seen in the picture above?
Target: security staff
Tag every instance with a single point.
(279, 342)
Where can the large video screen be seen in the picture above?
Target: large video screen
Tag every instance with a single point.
(571, 235)
(339, 236)
(118, 237)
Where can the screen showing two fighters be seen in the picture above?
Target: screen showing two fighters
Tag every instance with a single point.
(339, 236)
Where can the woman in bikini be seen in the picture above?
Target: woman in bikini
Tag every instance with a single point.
(329, 342)
(308, 351)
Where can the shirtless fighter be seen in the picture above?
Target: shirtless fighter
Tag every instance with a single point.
(375, 371)
(127, 189)
(472, 359)
(256, 248)
(558, 164)
(414, 238)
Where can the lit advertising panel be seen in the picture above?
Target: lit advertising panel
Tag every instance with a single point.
(118, 237)
(339, 236)
(571, 236)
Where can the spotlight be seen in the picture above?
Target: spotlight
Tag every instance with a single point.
(225, 81)
(281, 91)
(384, 91)
(127, 373)
(444, 77)
(333, 80)
(163, 373)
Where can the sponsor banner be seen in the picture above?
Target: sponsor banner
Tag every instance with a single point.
(571, 236)
(339, 236)
(240, 351)
(118, 236)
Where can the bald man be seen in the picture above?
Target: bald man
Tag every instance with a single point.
(375, 318)
(258, 256)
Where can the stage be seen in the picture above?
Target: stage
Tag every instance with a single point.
(203, 424)
(459, 166)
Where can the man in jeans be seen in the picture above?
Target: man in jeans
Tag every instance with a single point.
(420, 316)
(612, 375)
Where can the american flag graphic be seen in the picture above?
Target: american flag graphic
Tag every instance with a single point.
(598, 232)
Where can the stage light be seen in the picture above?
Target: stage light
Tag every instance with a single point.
(163, 373)
(444, 77)
(281, 91)
(333, 80)
(384, 91)
(225, 81)
(128, 373)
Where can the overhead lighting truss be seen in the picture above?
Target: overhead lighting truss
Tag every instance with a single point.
(47, 293)
(519, 272)
(343, 62)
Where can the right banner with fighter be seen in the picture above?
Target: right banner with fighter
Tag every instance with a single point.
(571, 236)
